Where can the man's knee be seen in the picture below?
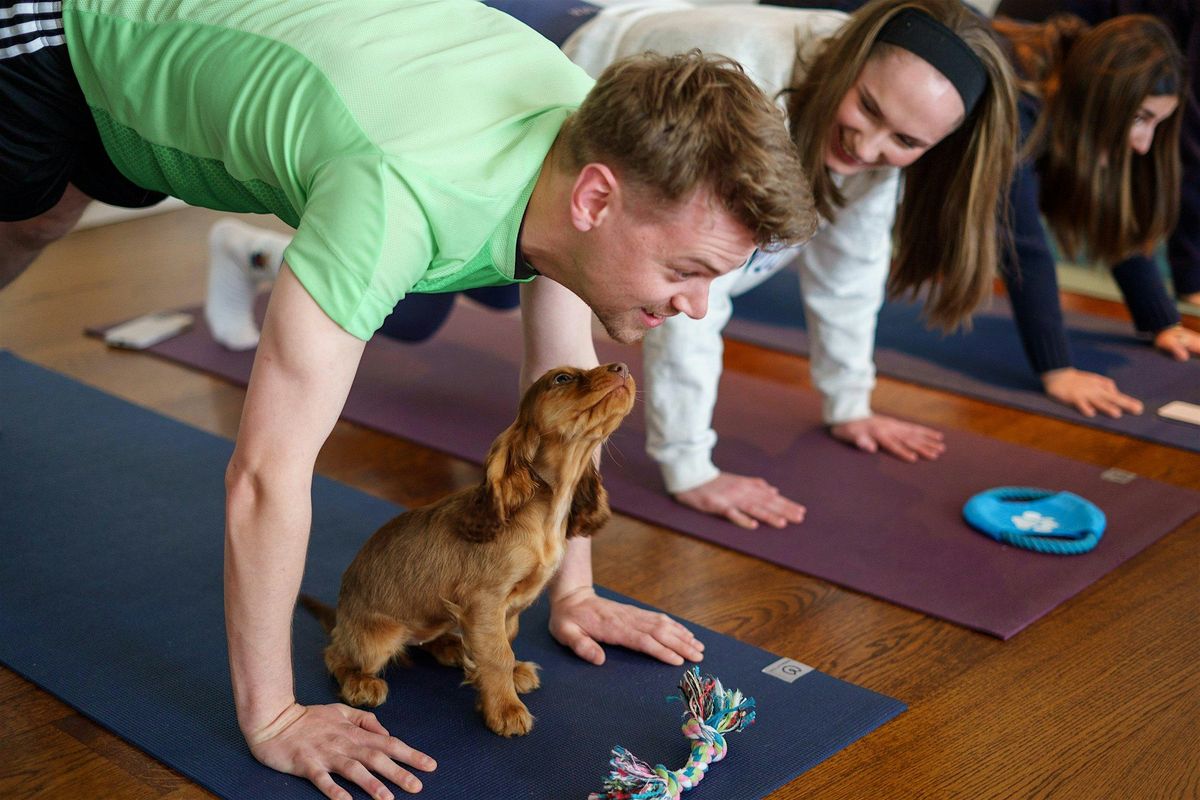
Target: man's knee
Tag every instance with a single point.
(35, 233)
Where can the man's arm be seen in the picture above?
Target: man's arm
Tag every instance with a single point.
(302, 374)
(557, 330)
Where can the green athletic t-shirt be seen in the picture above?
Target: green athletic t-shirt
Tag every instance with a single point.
(401, 138)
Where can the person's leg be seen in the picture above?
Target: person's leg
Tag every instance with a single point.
(417, 317)
(52, 162)
(22, 241)
(500, 298)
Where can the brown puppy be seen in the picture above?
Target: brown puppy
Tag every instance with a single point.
(453, 576)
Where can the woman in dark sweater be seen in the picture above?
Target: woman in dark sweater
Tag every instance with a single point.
(1182, 17)
(1101, 119)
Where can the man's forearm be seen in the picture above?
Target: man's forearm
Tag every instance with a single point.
(266, 538)
(576, 568)
(557, 330)
(302, 373)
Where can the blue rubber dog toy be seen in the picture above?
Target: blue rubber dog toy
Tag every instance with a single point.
(1061, 523)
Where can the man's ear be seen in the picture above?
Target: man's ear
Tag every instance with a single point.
(592, 196)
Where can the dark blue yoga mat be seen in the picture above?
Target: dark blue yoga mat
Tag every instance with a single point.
(111, 531)
(988, 362)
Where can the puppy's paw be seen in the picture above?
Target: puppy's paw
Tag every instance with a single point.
(525, 677)
(363, 690)
(508, 719)
(446, 650)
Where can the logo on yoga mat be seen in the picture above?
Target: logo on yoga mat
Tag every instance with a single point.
(1118, 475)
(787, 670)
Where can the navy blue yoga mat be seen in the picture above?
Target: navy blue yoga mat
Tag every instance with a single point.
(110, 598)
(988, 362)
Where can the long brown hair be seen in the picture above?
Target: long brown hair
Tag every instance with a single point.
(1101, 199)
(950, 220)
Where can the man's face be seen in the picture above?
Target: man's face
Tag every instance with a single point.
(645, 264)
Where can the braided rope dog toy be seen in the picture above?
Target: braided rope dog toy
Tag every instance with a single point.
(712, 712)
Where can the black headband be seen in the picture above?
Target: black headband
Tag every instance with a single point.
(924, 36)
(1166, 84)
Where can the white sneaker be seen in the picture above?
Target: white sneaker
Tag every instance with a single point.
(241, 260)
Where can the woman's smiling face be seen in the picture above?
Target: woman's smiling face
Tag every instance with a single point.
(899, 107)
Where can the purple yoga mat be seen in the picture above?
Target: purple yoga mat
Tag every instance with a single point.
(875, 524)
(988, 362)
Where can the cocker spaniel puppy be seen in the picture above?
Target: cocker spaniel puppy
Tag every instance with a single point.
(453, 576)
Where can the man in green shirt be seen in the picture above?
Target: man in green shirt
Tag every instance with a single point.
(415, 147)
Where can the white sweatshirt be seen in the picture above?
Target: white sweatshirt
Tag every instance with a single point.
(843, 269)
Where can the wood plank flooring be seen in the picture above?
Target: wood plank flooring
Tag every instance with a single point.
(1100, 699)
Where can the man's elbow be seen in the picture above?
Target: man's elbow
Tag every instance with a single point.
(244, 489)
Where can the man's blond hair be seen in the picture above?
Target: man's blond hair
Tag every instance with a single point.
(673, 125)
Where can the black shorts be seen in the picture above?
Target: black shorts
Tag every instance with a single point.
(47, 135)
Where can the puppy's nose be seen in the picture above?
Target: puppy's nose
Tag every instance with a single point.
(619, 368)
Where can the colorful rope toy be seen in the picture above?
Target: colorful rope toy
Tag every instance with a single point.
(712, 712)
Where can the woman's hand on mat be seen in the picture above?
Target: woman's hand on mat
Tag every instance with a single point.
(1089, 393)
(580, 619)
(1178, 342)
(317, 742)
(905, 440)
(743, 501)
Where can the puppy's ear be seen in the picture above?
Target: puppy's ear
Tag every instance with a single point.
(511, 481)
(589, 506)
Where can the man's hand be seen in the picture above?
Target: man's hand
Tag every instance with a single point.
(743, 501)
(317, 742)
(1178, 342)
(581, 620)
(905, 440)
(1089, 393)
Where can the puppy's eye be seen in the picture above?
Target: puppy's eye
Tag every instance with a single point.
(563, 377)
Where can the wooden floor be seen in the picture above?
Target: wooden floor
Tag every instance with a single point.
(1100, 699)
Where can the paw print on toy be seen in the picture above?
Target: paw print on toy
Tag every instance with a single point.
(1033, 521)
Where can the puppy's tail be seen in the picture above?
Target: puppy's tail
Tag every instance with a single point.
(325, 614)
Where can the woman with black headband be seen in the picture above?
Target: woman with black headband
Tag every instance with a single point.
(917, 86)
(1101, 110)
